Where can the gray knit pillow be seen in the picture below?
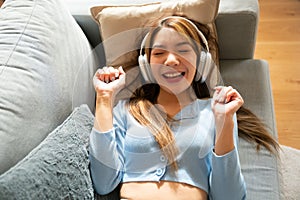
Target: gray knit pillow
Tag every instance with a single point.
(58, 168)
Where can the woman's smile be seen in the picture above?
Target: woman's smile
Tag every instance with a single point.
(173, 76)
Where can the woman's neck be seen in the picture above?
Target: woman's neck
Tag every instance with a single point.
(173, 103)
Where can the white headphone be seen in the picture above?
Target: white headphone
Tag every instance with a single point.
(204, 63)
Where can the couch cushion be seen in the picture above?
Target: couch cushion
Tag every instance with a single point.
(127, 25)
(260, 169)
(46, 68)
(58, 168)
(236, 24)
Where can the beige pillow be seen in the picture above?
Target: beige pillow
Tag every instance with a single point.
(123, 27)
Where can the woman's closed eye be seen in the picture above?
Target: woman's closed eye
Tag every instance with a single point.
(183, 51)
(158, 52)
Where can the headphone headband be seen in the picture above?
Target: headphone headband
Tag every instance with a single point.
(192, 24)
(177, 17)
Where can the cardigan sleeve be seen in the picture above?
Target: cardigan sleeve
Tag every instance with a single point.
(106, 154)
(226, 179)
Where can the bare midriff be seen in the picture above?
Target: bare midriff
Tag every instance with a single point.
(161, 190)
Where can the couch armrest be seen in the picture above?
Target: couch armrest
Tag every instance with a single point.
(260, 169)
(252, 79)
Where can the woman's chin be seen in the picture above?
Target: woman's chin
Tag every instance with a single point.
(174, 89)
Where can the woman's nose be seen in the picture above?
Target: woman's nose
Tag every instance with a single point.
(172, 59)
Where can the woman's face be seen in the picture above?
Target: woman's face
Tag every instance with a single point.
(173, 61)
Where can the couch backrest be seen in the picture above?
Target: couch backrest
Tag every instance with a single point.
(236, 24)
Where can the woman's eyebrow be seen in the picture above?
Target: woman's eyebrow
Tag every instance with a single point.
(159, 46)
(183, 43)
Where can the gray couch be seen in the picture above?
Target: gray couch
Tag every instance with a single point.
(49, 51)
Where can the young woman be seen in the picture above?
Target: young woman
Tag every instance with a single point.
(170, 140)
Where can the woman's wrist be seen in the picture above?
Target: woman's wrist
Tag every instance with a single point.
(224, 122)
(105, 98)
(224, 137)
(103, 112)
(106, 94)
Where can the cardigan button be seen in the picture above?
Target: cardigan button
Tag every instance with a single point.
(159, 172)
(162, 158)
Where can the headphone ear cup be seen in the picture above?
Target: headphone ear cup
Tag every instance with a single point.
(201, 67)
(204, 66)
(145, 69)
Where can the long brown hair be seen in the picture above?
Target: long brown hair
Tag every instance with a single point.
(143, 101)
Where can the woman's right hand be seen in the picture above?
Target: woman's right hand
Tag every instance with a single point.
(109, 80)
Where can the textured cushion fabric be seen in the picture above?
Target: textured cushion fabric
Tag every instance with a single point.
(237, 28)
(260, 169)
(127, 25)
(58, 168)
(290, 172)
(45, 66)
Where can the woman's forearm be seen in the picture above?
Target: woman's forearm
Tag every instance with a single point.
(224, 136)
(103, 113)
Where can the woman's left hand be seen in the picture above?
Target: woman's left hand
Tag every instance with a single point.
(226, 101)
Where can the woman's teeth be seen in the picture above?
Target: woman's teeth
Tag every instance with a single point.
(173, 75)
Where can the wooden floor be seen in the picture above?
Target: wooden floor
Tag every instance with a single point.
(278, 42)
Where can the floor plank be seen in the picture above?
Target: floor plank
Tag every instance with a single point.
(278, 42)
(279, 30)
(287, 9)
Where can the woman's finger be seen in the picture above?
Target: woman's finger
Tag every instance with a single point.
(112, 74)
(104, 74)
(101, 74)
(220, 94)
(234, 95)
